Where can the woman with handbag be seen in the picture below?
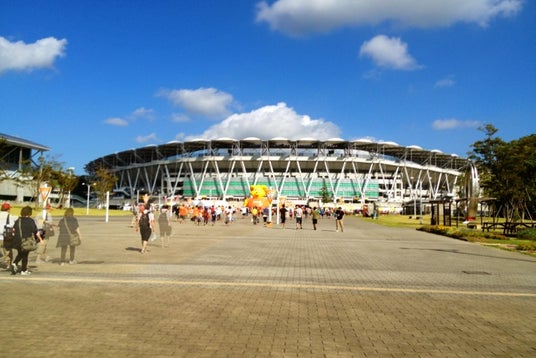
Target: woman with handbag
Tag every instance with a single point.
(25, 237)
(69, 236)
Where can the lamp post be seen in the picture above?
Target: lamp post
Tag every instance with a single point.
(71, 171)
(414, 195)
(420, 202)
(88, 193)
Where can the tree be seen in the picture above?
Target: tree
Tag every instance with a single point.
(35, 174)
(66, 182)
(104, 182)
(507, 171)
(324, 193)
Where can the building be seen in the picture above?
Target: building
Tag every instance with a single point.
(15, 154)
(358, 171)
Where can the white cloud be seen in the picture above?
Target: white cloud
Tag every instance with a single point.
(202, 101)
(143, 112)
(21, 56)
(148, 138)
(452, 123)
(300, 17)
(179, 118)
(445, 82)
(269, 122)
(115, 121)
(388, 53)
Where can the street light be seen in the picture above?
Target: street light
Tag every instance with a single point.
(88, 193)
(71, 171)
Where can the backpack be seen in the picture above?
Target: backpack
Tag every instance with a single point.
(9, 235)
(144, 221)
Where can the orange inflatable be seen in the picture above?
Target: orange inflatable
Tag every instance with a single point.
(259, 197)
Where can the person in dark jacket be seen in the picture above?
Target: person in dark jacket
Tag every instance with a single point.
(69, 236)
(24, 227)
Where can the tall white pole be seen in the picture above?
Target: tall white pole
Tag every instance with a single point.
(87, 201)
(107, 204)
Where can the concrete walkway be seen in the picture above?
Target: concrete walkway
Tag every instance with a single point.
(254, 291)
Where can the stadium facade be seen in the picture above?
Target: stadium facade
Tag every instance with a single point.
(351, 171)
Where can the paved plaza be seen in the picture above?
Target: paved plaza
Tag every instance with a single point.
(247, 290)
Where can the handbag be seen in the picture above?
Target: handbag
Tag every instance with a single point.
(74, 239)
(27, 243)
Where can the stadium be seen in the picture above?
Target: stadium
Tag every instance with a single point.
(304, 170)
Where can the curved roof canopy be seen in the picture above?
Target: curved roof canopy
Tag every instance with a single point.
(199, 146)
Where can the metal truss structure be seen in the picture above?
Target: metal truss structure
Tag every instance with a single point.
(224, 168)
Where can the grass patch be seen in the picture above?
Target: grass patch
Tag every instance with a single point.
(15, 210)
(399, 220)
(524, 241)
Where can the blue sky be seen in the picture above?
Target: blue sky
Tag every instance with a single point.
(90, 78)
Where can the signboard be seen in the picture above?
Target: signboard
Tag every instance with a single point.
(44, 191)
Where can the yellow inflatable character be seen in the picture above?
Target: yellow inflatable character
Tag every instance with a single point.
(259, 197)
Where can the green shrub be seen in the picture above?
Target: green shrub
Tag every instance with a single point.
(527, 246)
(462, 233)
(527, 234)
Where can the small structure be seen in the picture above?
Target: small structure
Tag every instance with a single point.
(15, 153)
(441, 208)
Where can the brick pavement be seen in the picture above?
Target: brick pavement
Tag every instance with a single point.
(251, 291)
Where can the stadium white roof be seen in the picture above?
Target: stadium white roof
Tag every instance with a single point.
(174, 149)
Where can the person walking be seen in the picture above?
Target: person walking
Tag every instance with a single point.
(145, 226)
(183, 213)
(24, 227)
(298, 213)
(46, 229)
(283, 215)
(265, 212)
(69, 236)
(164, 225)
(339, 216)
(315, 214)
(229, 215)
(254, 215)
(6, 234)
(213, 215)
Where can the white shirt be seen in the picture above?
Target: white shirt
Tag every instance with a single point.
(3, 222)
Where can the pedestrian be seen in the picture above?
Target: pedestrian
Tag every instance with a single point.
(229, 215)
(339, 216)
(283, 215)
(145, 226)
(69, 236)
(206, 215)
(164, 225)
(265, 212)
(315, 214)
(46, 229)
(24, 228)
(254, 215)
(213, 215)
(6, 234)
(183, 213)
(298, 213)
(134, 211)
